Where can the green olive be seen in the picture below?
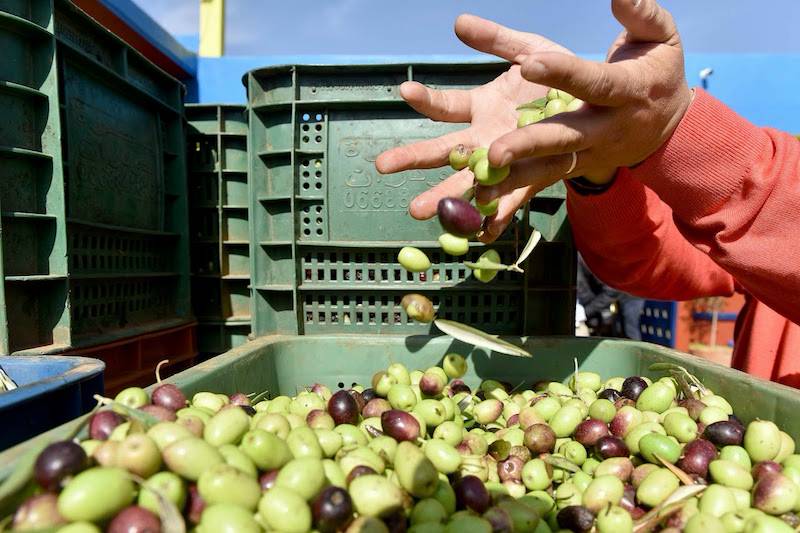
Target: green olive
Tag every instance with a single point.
(489, 209)
(717, 500)
(656, 487)
(487, 175)
(566, 420)
(614, 519)
(226, 484)
(738, 455)
(227, 518)
(453, 245)
(681, 426)
(730, 474)
(477, 155)
(655, 444)
(548, 407)
(704, 523)
(762, 440)
(444, 456)
(529, 116)
(329, 441)
(633, 437)
(602, 492)
(766, 524)
(459, 157)
(428, 510)
(554, 107)
(284, 510)
(228, 426)
(709, 415)
(266, 450)
(375, 495)
(413, 259)
(657, 397)
(536, 475)
(191, 457)
(603, 410)
(96, 494)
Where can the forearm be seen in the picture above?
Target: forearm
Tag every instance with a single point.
(735, 192)
(628, 239)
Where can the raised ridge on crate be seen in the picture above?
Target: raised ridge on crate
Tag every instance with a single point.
(326, 227)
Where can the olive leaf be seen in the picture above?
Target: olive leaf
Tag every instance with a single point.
(486, 264)
(562, 463)
(539, 103)
(680, 474)
(500, 449)
(171, 518)
(136, 415)
(533, 240)
(464, 403)
(478, 338)
(372, 430)
(674, 369)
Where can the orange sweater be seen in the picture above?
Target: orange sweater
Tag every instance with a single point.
(708, 214)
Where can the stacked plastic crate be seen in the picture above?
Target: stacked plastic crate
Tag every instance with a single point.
(219, 228)
(93, 194)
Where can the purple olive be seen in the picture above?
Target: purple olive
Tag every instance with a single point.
(267, 479)
(765, 467)
(135, 519)
(458, 217)
(696, 457)
(357, 471)
(575, 518)
(623, 421)
(38, 512)
(510, 469)
(628, 500)
(343, 408)
(240, 399)
(195, 505)
(607, 447)
(159, 411)
(632, 387)
(471, 494)
(612, 395)
(540, 438)
(724, 433)
(57, 462)
(774, 494)
(694, 406)
(400, 425)
(590, 431)
(396, 522)
(103, 423)
(169, 396)
(368, 395)
(332, 509)
(500, 520)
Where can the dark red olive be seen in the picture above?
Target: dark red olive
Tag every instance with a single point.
(735, 420)
(360, 401)
(196, 505)
(612, 395)
(358, 471)
(575, 518)
(332, 509)
(368, 395)
(765, 467)
(471, 494)
(696, 457)
(637, 513)
(103, 423)
(135, 519)
(632, 387)
(169, 396)
(343, 408)
(694, 406)
(540, 438)
(376, 407)
(458, 385)
(400, 425)
(57, 462)
(622, 422)
(267, 479)
(396, 522)
(513, 420)
(459, 217)
(607, 447)
(160, 412)
(628, 500)
(510, 469)
(724, 433)
(500, 520)
(590, 431)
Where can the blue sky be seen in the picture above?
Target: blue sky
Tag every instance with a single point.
(267, 27)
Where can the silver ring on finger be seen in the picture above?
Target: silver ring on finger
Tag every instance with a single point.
(573, 165)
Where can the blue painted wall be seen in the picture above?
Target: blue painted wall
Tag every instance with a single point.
(761, 87)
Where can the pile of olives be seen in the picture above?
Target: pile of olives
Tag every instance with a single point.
(460, 219)
(422, 451)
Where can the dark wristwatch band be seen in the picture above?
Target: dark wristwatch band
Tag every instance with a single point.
(585, 187)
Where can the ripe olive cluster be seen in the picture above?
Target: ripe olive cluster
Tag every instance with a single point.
(422, 451)
(462, 220)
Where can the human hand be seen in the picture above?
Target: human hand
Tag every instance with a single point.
(635, 101)
(490, 111)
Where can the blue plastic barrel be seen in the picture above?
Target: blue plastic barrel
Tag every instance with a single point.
(51, 390)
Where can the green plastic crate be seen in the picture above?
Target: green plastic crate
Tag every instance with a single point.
(92, 174)
(326, 227)
(219, 225)
(287, 364)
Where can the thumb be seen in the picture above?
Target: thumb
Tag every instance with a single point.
(645, 21)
